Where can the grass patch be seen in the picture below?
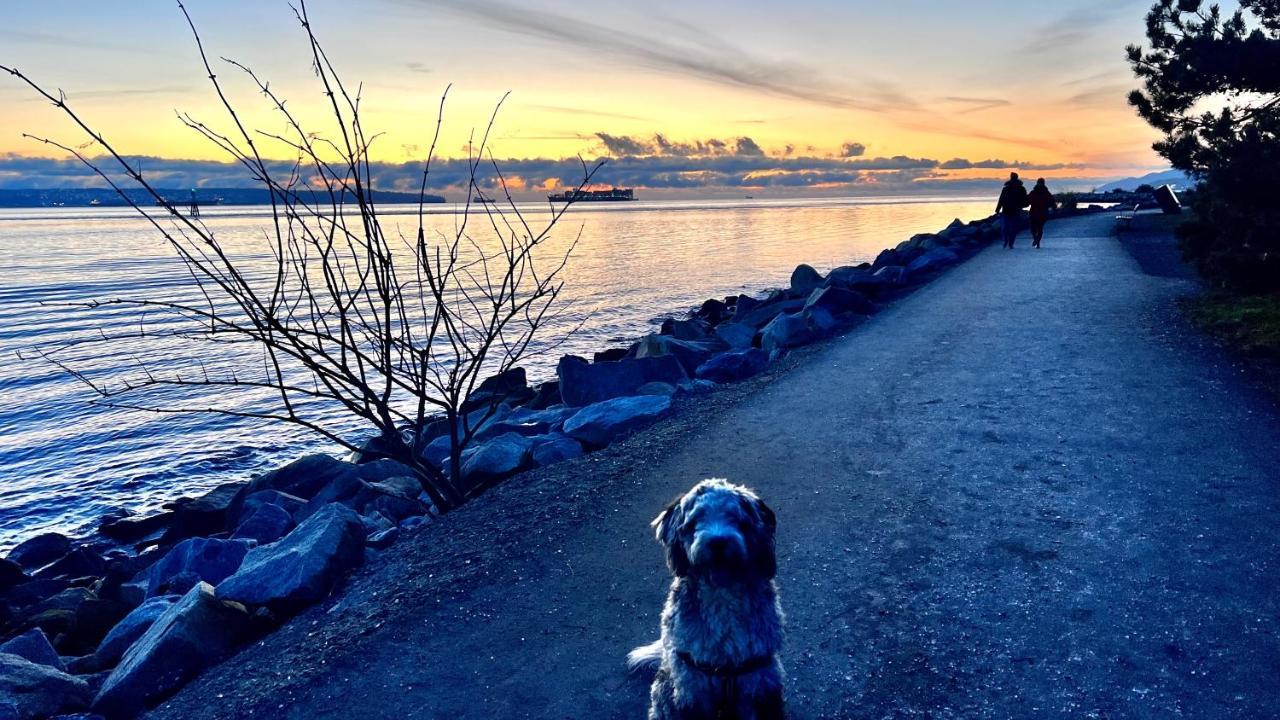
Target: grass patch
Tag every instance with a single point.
(1248, 323)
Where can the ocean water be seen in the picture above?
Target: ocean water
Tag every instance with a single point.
(65, 461)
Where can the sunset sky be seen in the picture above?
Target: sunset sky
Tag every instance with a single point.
(691, 98)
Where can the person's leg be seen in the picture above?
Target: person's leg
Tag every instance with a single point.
(1008, 229)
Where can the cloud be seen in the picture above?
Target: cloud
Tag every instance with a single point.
(976, 104)
(624, 145)
(852, 149)
(585, 111)
(712, 61)
(418, 67)
(739, 165)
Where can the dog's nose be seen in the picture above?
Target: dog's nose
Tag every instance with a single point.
(718, 546)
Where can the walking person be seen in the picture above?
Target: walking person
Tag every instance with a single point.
(1041, 202)
(1013, 197)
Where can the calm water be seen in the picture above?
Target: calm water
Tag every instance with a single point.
(66, 461)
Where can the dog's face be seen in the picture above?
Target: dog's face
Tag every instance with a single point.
(720, 532)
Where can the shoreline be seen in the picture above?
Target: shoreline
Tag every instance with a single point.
(207, 521)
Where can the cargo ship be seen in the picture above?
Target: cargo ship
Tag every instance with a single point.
(610, 195)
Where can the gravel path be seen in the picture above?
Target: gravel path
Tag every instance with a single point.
(1027, 490)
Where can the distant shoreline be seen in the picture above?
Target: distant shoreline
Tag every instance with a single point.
(85, 198)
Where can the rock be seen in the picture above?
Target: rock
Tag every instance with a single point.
(786, 331)
(553, 449)
(36, 552)
(612, 355)
(301, 569)
(510, 386)
(885, 259)
(743, 304)
(375, 523)
(80, 562)
(820, 320)
(764, 313)
(804, 279)
(690, 354)
(32, 645)
(192, 634)
(94, 618)
(604, 422)
(933, 260)
(207, 559)
(736, 335)
(497, 459)
(525, 422)
(892, 275)
(34, 591)
(582, 383)
(545, 395)
(251, 502)
(309, 476)
(384, 539)
(697, 387)
(694, 329)
(11, 575)
(656, 388)
(130, 628)
(33, 690)
(713, 311)
(838, 301)
(265, 525)
(437, 451)
(131, 528)
(845, 276)
(734, 366)
(205, 515)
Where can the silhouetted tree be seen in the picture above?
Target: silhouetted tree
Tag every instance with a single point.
(1211, 84)
(350, 316)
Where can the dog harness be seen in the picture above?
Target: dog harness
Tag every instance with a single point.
(729, 674)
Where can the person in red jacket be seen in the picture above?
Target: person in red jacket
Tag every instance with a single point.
(1041, 203)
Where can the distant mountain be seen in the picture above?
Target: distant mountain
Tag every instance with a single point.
(1178, 179)
(84, 197)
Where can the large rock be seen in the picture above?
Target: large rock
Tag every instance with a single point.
(583, 383)
(933, 260)
(496, 459)
(130, 628)
(892, 275)
(34, 646)
(192, 634)
(736, 335)
(208, 559)
(288, 575)
(764, 313)
(510, 386)
(694, 329)
(804, 279)
(524, 422)
(839, 301)
(265, 525)
(846, 276)
(885, 259)
(691, 354)
(251, 502)
(713, 311)
(205, 515)
(38, 551)
(11, 575)
(313, 476)
(733, 366)
(39, 691)
(787, 331)
(80, 562)
(551, 449)
(602, 423)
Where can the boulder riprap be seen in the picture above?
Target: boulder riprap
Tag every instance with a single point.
(736, 335)
(290, 574)
(690, 353)
(786, 331)
(266, 524)
(127, 631)
(192, 634)
(308, 476)
(36, 552)
(34, 646)
(600, 424)
(207, 559)
(496, 459)
(804, 279)
(933, 260)
(551, 449)
(837, 301)
(32, 690)
(583, 383)
(734, 366)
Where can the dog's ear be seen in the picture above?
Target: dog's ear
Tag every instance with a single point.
(766, 515)
(667, 529)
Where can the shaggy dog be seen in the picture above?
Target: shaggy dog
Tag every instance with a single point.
(722, 624)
